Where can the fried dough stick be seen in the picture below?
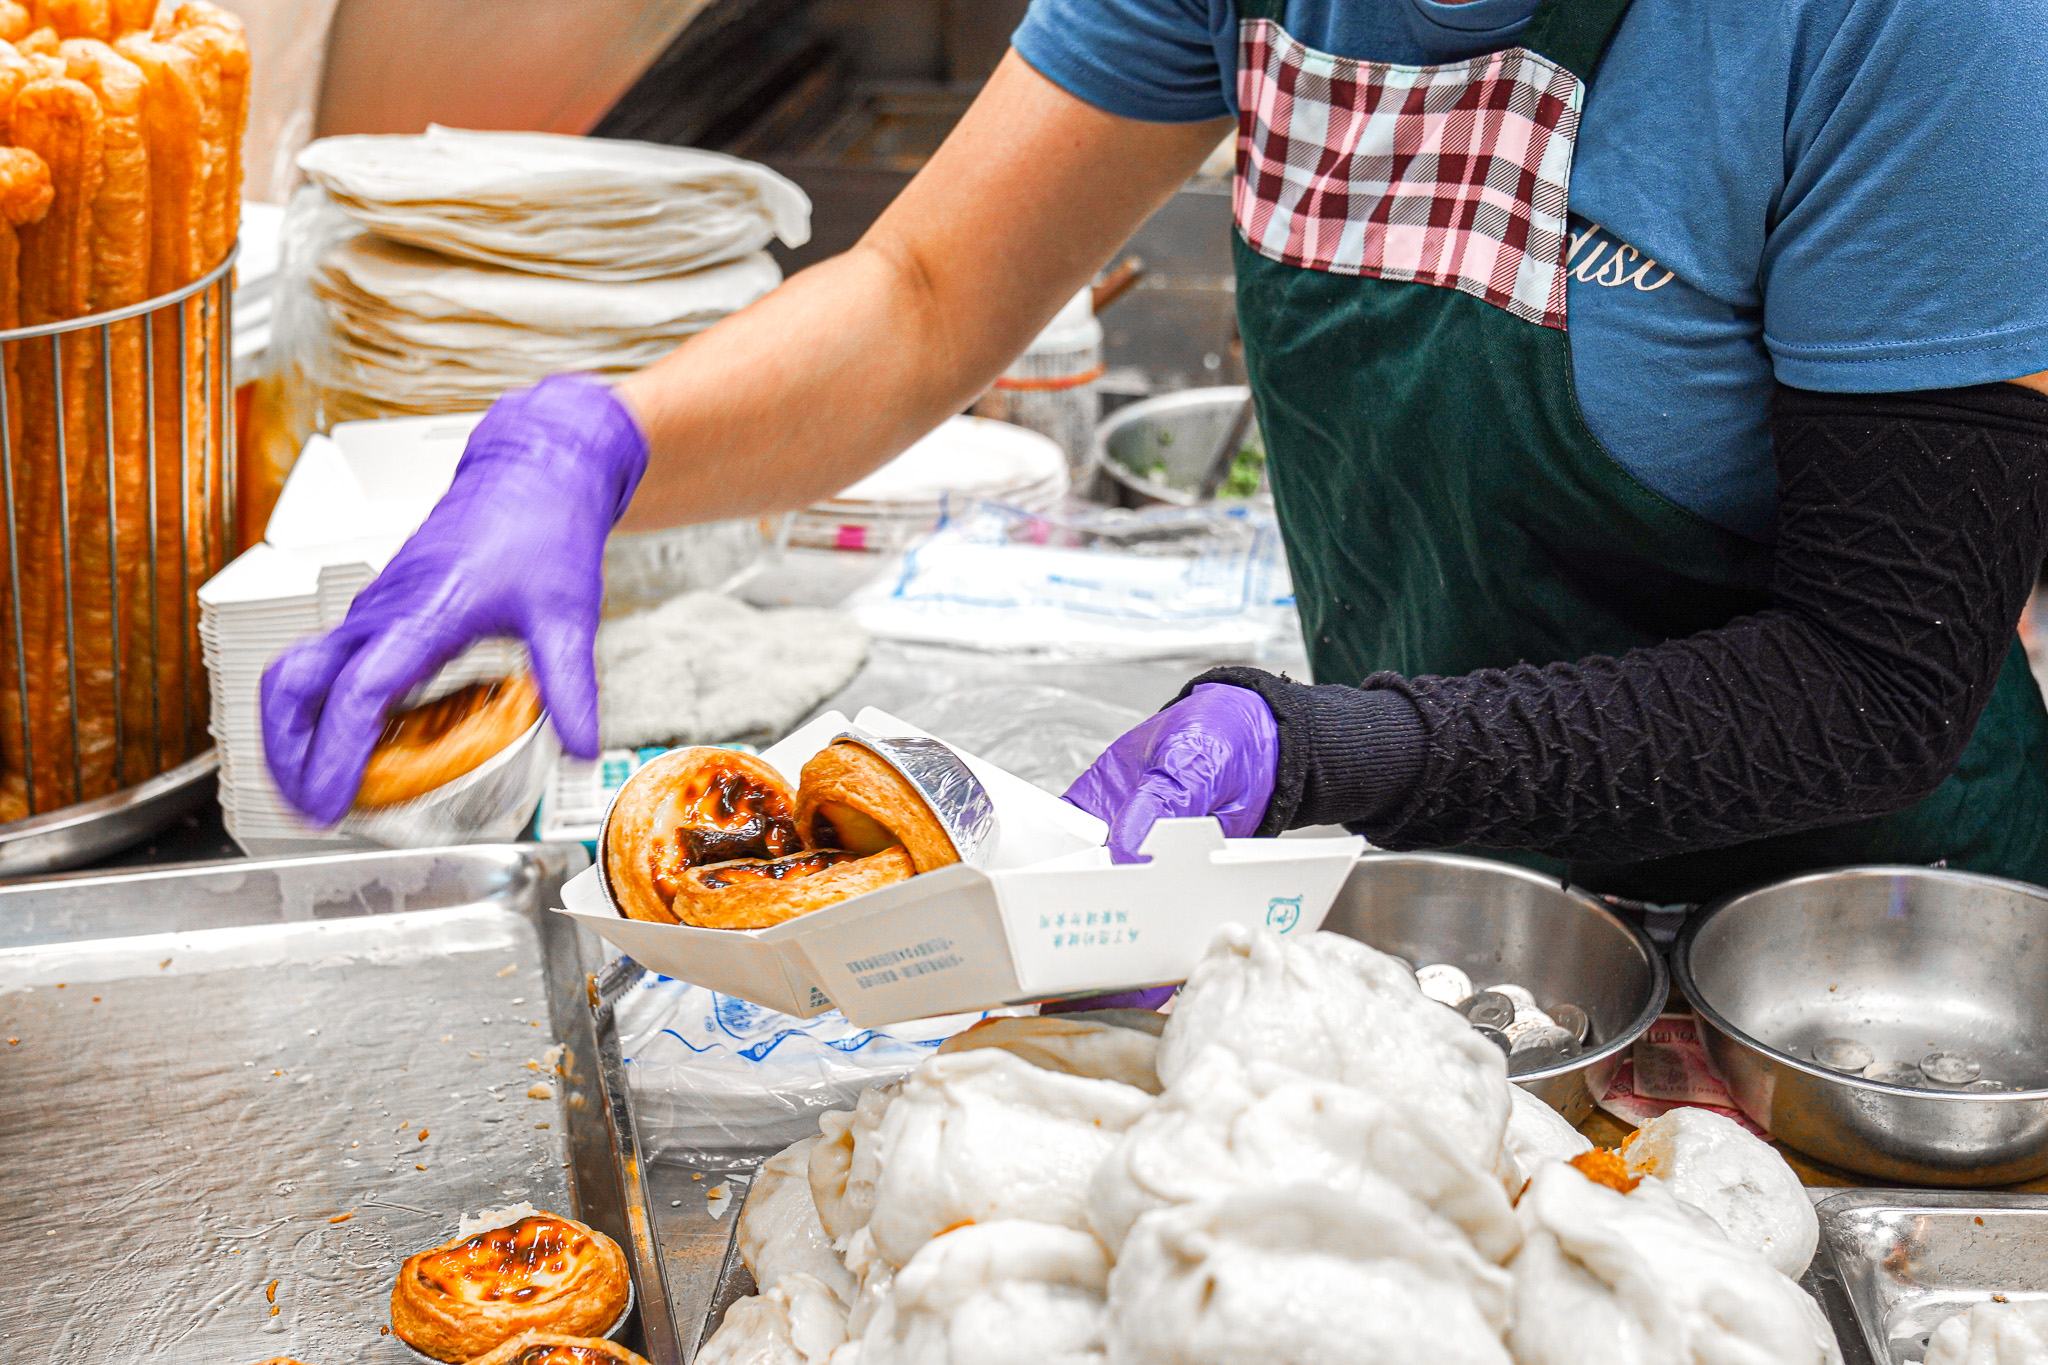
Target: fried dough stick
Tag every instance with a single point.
(76, 18)
(17, 70)
(28, 199)
(214, 37)
(25, 196)
(173, 102)
(120, 558)
(59, 120)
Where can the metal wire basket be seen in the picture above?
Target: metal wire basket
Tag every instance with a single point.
(117, 472)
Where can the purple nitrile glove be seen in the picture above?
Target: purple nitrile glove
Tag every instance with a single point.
(515, 547)
(1151, 998)
(1214, 752)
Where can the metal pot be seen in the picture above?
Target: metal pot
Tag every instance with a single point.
(1903, 962)
(1157, 450)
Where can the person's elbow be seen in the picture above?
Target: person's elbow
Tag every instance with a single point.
(1914, 747)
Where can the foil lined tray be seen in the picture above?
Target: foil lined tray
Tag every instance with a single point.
(1908, 1260)
(244, 1092)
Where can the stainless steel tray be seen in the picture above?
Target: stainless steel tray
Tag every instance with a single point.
(1909, 1259)
(91, 830)
(682, 1246)
(691, 1253)
(716, 1277)
(212, 1136)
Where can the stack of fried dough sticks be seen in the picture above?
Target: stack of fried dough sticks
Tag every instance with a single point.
(120, 182)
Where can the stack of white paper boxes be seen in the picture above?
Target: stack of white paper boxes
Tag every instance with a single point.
(350, 502)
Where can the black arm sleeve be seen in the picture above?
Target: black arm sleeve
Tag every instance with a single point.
(1910, 530)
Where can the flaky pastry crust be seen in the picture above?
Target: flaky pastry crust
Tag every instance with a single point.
(689, 809)
(544, 1273)
(551, 1348)
(849, 797)
(754, 893)
(430, 745)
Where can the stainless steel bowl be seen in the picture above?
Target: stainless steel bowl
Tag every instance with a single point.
(1156, 451)
(1499, 922)
(75, 835)
(1907, 961)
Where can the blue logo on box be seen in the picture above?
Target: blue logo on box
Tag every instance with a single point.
(1283, 913)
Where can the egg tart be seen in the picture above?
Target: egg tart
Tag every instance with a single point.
(551, 1348)
(690, 809)
(544, 1273)
(849, 797)
(716, 840)
(432, 744)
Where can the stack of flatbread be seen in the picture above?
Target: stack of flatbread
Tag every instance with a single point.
(572, 207)
(120, 182)
(463, 263)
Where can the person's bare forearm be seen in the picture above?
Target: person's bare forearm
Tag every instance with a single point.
(849, 362)
(792, 399)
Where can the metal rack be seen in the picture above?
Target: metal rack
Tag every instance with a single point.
(150, 778)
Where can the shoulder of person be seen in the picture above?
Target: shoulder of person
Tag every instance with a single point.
(1915, 47)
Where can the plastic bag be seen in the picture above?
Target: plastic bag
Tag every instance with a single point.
(719, 1083)
(1091, 584)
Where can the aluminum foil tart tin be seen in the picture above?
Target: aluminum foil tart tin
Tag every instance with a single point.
(491, 803)
(963, 806)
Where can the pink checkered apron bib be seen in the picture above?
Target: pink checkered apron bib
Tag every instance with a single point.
(1401, 265)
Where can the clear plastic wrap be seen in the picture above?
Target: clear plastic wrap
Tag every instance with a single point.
(1091, 583)
(1046, 735)
(720, 1084)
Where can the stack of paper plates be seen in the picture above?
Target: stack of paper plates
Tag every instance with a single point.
(965, 458)
(247, 614)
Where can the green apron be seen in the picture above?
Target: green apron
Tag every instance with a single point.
(1400, 254)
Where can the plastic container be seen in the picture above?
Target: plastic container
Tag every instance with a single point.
(1051, 388)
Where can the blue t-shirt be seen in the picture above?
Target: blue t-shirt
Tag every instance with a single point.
(1846, 195)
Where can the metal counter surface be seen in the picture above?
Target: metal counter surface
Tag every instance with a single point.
(240, 1095)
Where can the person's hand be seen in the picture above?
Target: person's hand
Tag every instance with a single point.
(515, 547)
(1214, 752)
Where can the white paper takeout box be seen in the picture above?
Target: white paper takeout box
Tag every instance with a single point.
(1051, 916)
